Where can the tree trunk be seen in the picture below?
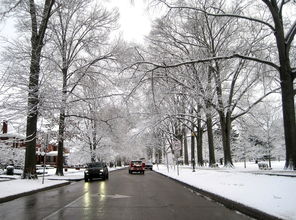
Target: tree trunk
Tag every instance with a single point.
(32, 118)
(225, 123)
(199, 143)
(289, 123)
(192, 146)
(186, 162)
(60, 158)
(287, 78)
(182, 144)
(33, 96)
(158, 156)
(209, 123)
(94, 136)
(288, 103)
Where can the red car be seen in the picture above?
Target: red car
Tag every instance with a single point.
(136, 166)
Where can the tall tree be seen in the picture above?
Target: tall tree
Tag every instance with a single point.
(79, 32)
(38, 31)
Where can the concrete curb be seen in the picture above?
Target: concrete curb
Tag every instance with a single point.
(65, 179)
(12, 197)
(249, 211)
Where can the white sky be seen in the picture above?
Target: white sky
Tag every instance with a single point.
(134, 19)
(6, 29)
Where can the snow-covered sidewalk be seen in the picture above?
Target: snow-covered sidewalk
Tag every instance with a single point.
(274, 195)
(19, 187)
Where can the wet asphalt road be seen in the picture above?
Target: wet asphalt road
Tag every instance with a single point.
(123, 196)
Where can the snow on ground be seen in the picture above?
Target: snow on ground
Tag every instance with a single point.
(17, 186)
(275, 195)
(13, 185)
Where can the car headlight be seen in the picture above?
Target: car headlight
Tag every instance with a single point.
(86, 171)
(101, 170)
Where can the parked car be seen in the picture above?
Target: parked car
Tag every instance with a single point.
(148, 165)
(136, 166)
(96, 170)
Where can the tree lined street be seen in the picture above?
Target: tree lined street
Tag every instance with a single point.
(212, 85)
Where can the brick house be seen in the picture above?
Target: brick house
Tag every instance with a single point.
(50, 156)
(18, 141)
(12, 139)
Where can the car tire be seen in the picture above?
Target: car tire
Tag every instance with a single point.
(85, 179)
(107, 176)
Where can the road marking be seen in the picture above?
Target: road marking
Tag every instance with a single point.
(66, 206)
(116, 196)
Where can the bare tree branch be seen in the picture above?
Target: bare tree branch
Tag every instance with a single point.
(164, 66)
(290, 35)
(10, 9)
(254, 104)
(219, 15)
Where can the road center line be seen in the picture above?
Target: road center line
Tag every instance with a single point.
(66, 206)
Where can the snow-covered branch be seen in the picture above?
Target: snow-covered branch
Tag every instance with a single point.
(164, 65)
(219, 15)
(10, 9)
(85, 99)
(290, 35)
(254, 104)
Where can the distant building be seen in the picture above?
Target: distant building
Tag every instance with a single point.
(11, 139)
(18, 141)
(51, 154)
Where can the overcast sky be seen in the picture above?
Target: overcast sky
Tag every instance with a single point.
(134, 20)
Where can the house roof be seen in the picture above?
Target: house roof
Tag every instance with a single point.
(54, 154)
(12, 135)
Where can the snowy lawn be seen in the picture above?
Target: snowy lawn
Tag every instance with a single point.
(275, 195)
(18, 186)
(13, 185)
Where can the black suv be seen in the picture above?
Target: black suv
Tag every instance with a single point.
(96, 170)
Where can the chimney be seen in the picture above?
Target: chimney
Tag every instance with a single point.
(5, 127)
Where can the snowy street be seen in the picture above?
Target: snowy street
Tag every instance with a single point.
(123, 196)
(264, 190)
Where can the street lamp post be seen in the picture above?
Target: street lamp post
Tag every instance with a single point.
(44, 155)
(193, 164)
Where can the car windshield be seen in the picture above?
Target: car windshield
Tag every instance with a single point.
(137, 162)
(97, 164)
